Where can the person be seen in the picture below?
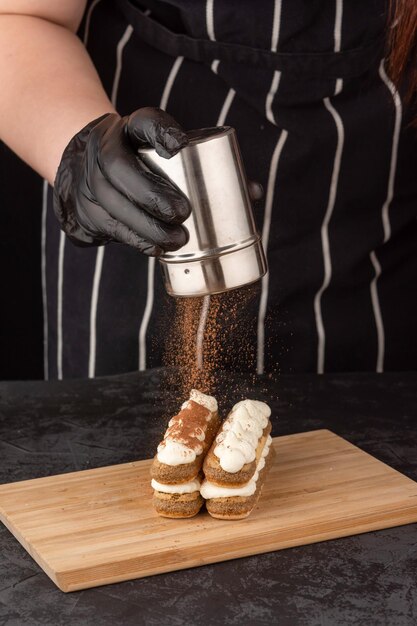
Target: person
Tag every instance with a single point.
(321, 127)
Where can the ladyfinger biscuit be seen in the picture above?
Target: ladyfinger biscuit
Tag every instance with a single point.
(237, 448)
(233, 503)
(188, 437)
(177, 500)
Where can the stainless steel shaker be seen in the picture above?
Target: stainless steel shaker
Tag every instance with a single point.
(224, 250)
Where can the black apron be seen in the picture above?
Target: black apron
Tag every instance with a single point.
(320, 126)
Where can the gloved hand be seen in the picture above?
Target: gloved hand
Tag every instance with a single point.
(102, 192)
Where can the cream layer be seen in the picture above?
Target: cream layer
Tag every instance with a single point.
(210, 490)
(190, 487)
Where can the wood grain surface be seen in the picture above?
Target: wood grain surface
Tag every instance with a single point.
(98, 526)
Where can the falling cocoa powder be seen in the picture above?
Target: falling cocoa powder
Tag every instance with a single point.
(209, 335)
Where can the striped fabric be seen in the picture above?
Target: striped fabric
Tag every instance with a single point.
(335, 155)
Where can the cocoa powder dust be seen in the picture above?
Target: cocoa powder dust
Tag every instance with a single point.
(210, 335)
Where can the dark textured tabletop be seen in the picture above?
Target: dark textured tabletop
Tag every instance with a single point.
(371, 579)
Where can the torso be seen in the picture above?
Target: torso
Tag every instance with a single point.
(337, 161)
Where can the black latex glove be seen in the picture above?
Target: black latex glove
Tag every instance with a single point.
(102, 192)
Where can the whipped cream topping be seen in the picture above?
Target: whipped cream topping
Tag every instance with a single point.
(190, 487)
(210, 490)
(186, 432)
(209, 402)
(238, 441)
(175, 453)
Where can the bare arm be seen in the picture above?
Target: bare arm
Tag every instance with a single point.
(49, 86)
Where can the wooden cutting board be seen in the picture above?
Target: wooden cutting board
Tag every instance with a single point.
(97, 526)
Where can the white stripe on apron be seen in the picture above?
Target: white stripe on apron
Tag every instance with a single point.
(385, 218)
(62, 240)
(377, 313)
(260, 357)
(61, 252)
(151, 262)
(226, 107)
(394, 152)
(210, 30)
(263, 302)
(337, 33)
(100, 251)
(331, 202)
(88, 20)
(43, 269)
(210, 19)
(277, 75)
(200, 332)
(146, 314)
(338, 39)
(270, 97)
(93, 312)
(325, 236)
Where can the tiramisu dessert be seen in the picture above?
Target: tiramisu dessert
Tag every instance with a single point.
(176, 468)
(238, 460)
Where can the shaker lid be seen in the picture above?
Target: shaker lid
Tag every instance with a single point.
(205, 134)
(200, 135)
